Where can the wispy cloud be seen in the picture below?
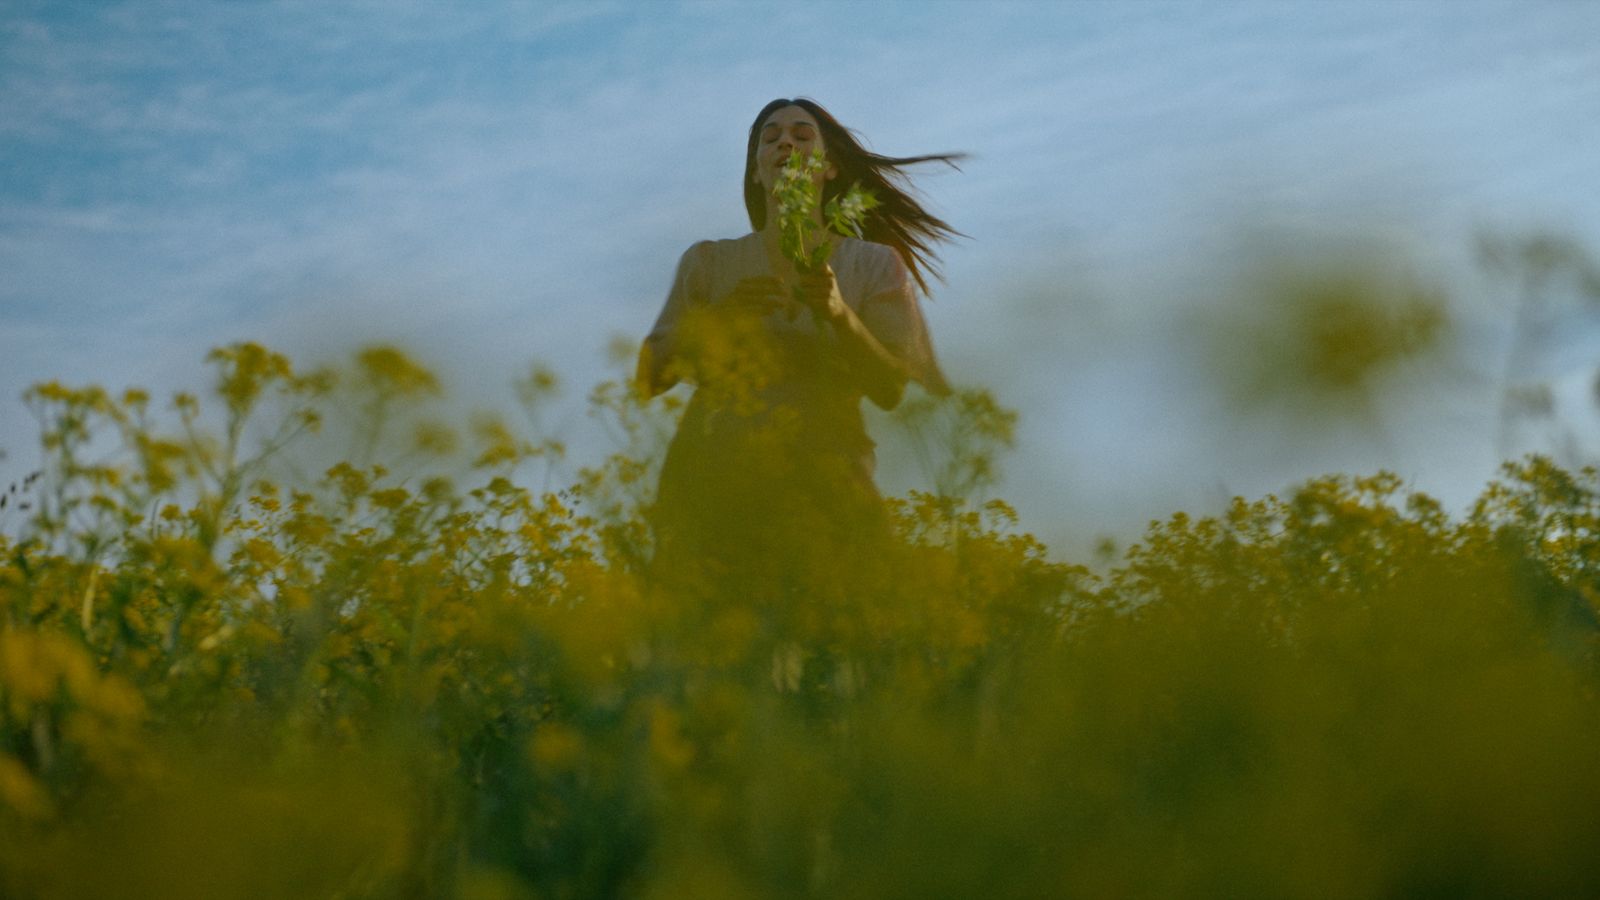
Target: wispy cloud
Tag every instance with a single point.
(508, 181)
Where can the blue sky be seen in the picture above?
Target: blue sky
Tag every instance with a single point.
(496, 183)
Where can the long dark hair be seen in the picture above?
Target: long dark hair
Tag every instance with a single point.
(899, 220)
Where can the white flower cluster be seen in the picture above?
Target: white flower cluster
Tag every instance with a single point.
(797, 197)
(846, 213)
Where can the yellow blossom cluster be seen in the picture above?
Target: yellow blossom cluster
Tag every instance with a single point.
(221, 676)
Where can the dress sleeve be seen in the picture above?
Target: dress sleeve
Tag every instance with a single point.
(658, 355)
(891, 312)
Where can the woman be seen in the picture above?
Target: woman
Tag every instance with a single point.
(771, 467)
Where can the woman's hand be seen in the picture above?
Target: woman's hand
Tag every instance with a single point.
(759, 296)
(819, 290)
(883, 376)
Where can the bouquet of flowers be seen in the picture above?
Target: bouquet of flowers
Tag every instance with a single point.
(798, 197)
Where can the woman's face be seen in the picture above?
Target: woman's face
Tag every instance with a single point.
(786, 130)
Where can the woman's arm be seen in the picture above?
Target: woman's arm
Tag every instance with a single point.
(883, 376)
(652, 375)
(656, 370)
(662, 362)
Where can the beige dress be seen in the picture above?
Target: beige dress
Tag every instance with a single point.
(772, 440)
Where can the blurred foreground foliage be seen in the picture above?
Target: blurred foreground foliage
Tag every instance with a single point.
(221, 678)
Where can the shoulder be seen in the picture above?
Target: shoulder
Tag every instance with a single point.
(715, 253)
(721, 247)
(878, 257)
(855, 248)
(695, 255)
(878, 266)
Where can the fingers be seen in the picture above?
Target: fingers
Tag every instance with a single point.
(756, 298)
(816, 288)
(757, 288)
(764, 283)
(762, 295)
(821, 276)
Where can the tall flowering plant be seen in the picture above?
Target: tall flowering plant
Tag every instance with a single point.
(798, 198)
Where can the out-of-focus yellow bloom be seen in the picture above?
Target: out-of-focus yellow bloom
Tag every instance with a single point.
(375, 684)
(556, 746)
(21, 793)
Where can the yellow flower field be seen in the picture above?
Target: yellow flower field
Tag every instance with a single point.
(299, 640)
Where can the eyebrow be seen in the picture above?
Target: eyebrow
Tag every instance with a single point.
(771, 125)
